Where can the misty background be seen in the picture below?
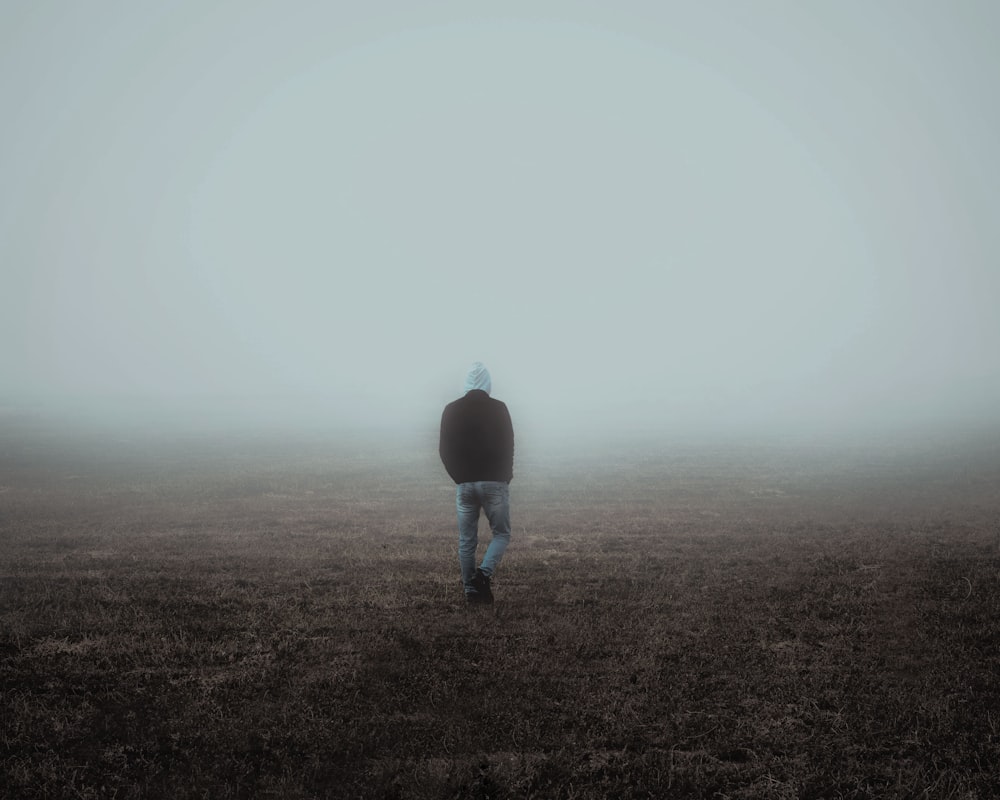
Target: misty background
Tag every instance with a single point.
(649, 217)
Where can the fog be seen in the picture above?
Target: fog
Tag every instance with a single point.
(713, 216)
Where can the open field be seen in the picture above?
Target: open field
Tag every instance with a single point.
(221, 616)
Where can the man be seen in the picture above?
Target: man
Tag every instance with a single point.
(477, 449)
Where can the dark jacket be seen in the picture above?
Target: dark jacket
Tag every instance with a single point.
(477, 439)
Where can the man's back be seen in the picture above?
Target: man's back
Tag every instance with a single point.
(477, 439)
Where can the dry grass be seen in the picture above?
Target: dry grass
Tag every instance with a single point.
(264, 618)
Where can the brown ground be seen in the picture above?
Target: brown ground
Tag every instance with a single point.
(270, 616)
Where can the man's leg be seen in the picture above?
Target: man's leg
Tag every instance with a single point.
(496, 504)
(467, 505)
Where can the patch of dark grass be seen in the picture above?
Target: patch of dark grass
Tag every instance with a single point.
(292, 626)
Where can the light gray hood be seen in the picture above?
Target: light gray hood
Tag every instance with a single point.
(478, 377)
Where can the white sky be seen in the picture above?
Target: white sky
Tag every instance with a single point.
(643, 215)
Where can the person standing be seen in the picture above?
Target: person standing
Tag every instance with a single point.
(477, 450)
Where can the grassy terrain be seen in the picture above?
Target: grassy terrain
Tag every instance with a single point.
(281, 617)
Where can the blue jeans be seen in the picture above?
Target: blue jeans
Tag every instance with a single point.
(493, 497)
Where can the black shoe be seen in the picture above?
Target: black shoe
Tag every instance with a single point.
(481, 585)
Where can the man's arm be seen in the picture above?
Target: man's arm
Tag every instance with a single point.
(508, 440)
(446, 444)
